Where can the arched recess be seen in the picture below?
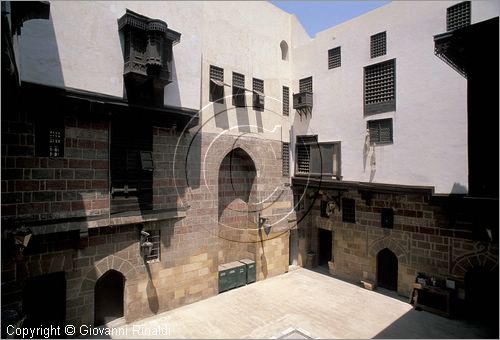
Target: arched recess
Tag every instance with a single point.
(387, 269)
(284, 50)
(376, 246)
(467, 262)
(108, 297)
(237, 197)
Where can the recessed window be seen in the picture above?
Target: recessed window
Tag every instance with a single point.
(322, 209)
(380, 131)
(334, 59)
(317, 159)
(458, 16)
(285, 156)
(387, 218)
(284, 50)
(380, 87)
(258, 94)
(298, 200)
(286, 101)
(378, 45)
(216, 84)
(348, 210)
(238, 89)
(154, 237)
(306, 84)
(49, 138)
(146, 160)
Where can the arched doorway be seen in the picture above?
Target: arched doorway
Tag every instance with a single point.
(387, 269)
(481, 296)
(108, 297)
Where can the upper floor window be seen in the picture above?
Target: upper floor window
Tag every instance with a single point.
(348, 210)
(387, 218)
(380, 87)
(380, 131)
(378, 45)
(216, 84)
(285, 156)
(258, 94)
(286, 101)
(238, 89)
(284, 50)
(334, 59)
(317, 159)
(306, 84)
(458, 16)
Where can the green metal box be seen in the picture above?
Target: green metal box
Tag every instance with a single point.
(250, 270)
(231, 275)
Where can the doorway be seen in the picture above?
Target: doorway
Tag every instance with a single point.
(108, 298)
(44, 300)
(324, 246)
(293, 247)
(387, 269)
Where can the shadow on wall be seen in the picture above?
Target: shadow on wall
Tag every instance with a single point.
(39, 53)
(458, 188)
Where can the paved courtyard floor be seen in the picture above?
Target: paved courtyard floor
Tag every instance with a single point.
(300, 304)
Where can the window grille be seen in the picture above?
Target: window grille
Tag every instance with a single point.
(49, 137)
(380, 131)
(378, 44)
(146, 160)
(216, 84)
(154, 237)
(334, 59)
(258, 93)
(55, 143)
(380, 87)
(306, 85)
(238, 89)
(286, 101)
(348, 210)
(285, 156)
(458, 16)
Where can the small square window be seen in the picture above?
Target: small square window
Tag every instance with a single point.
(378, 44)
(334, 58)
(49, 138)
(348, 210)
(387, 218)
(216, 84)
(258, 94)
(380, 131)
(458, 16)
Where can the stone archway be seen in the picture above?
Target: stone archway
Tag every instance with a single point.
(109, 297)
(387, 242)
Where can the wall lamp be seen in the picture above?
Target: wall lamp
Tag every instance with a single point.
(146, 246)
(264, 223)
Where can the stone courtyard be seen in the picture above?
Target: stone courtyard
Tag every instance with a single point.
(301, 304)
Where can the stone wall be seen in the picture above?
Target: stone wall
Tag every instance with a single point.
(424, 238)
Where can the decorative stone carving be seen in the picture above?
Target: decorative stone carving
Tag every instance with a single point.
(147, 50)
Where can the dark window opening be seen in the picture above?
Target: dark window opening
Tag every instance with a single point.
(238, 90)
(284, 50)
(317, 159)
(380, 131)
(387, 218)
(285, 156)
(49, 138)
(458, 16)
(216, 84)
(334, 58)
(322, 209)
(131, 164)
(286, 101)
(298, 201)
(378, 44)
(380, 87)
(348, 210)
(258, 94)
